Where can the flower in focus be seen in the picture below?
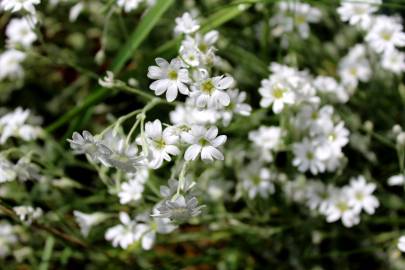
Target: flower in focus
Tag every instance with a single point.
(170, 78)
(205, 142)
(209, 92)
(161, 143)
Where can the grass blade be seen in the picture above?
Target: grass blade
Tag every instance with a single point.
(140, 33)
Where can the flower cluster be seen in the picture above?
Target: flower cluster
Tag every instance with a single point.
(27, 213)
(16, 124)
(384, 34)
(345, 203)
(294, 16)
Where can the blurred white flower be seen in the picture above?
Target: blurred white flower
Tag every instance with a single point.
(87, 221)
(396, 180)
(27, 213)
(128, 5)
(358, 13)
(306, 158)
(393, 61)
(19, 32)
(10, 63)
(19, 5)
(257, 181)
(276, 93)
(360, 195)
(385, 34)
(401, 243)
(123, 234)
(186, 24)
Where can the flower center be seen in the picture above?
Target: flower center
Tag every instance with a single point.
(359, 196)
(203, 142)
(342, 206)
(332, 136)
(202, 47)
(160, 144)
(256, 180)
(278, 92)
(310, 155)
(172, 74)
(300, 19)
(207, 87)
(386, 36)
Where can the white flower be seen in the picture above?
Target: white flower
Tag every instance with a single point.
(358, 13)
(28, 213)
(209, 92)
(205, 142)
(19, 31)
(401, 243)
(122, 155)
(340, 209)
(186, 24)
(360, 195)
(130, 191)
(236, 106)
(184, 116)
(161, 143)
(19, 5)
(87, 221)
(178, 209)
(170, 78)
(257, 181)
(276, 93)
(8, 238)
(330, 86)
(10, 63)
(295, 15)
(147, 228)
(355, 67)
(7, 172)
(14, 124)
(124, 234)
(75, 11)
(128, 5)
(108, 80)
(89, 145)
(396, 180)
(305, 157)
(318, 120)
(393, 61)
(266, 138)
(385, 34)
